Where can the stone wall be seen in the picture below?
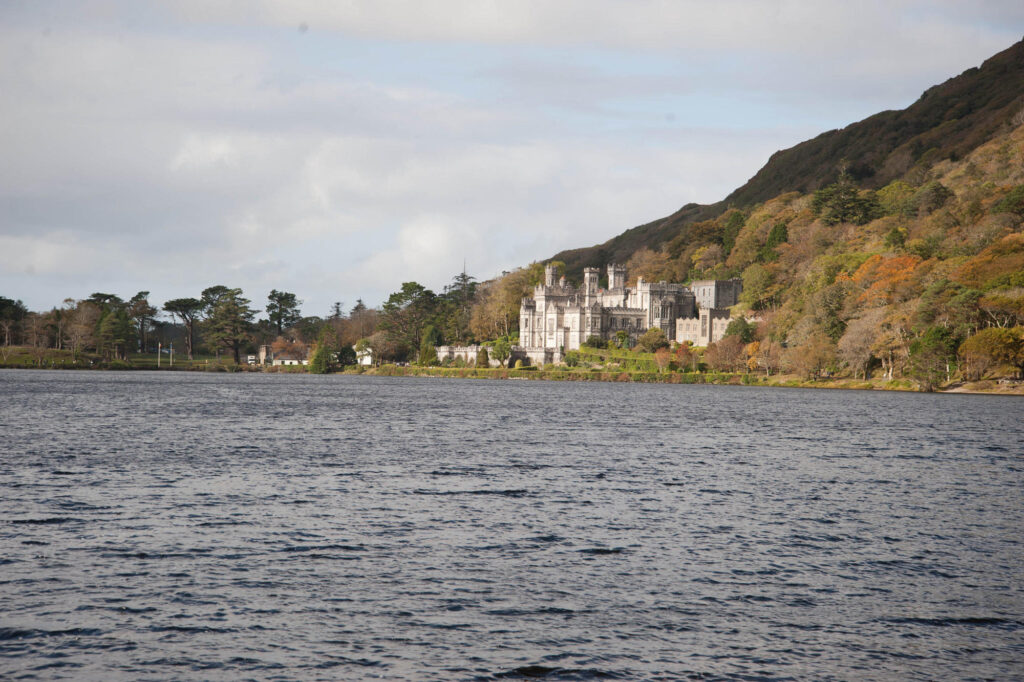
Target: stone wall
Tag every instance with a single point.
(530, 356)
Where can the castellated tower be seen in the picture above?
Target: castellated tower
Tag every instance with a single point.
(550, 275)
(616, 276)
(590, 277)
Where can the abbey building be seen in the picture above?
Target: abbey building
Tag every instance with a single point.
(560, 317)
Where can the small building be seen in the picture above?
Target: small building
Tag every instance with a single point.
(288, 359)
(364, 357)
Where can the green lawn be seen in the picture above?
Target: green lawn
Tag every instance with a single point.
(50, 358)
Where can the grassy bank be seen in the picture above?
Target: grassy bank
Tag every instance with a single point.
(25, 357)
(562, 373)
(608, 366)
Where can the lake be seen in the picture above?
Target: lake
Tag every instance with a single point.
(226, 526)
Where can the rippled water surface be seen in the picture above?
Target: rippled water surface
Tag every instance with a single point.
(189, 526)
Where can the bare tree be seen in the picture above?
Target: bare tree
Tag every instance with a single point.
(769, 356)
(82, 328)
(856, 347)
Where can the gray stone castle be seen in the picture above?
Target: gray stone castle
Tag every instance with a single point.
(560, 317)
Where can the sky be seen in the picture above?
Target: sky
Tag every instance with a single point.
(336, 149)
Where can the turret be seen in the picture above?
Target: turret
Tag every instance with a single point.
(550, 273)
(590, 278)
(616, 276)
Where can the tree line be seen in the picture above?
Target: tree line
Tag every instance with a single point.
(220, 320)
(223, 321)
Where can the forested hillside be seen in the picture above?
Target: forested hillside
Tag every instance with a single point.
(915, 278)
(946, 123)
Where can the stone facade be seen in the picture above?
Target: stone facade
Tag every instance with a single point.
(560, 317)
(706, 327)
(717, 293)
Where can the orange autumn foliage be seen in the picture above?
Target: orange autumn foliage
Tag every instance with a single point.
(885, 279)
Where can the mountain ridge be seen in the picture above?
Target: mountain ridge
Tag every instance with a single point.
(947, 121)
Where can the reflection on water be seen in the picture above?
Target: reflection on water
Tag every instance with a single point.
(179, 525)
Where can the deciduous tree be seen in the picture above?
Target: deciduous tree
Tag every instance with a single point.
(82, 328)
(496, 309)
(501, 350)
(652, 340)
(726, 355)
(812, 357)
(662, 358)
(993, 347)
(856, 347)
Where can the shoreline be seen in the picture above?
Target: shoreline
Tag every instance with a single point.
(986, 387)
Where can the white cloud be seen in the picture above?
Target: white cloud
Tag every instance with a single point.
(174, 147)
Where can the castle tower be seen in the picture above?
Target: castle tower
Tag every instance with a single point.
(590, 277)
(550, 275)
(616, 276)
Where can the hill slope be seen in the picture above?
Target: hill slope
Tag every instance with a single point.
(946, 123)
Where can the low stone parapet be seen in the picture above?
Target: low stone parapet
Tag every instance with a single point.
(530, 356)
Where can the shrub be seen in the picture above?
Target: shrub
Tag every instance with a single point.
(652, 340)
(1012, 202)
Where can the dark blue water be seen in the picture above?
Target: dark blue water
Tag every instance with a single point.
(189, 526)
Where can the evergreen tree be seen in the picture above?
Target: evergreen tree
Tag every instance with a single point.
(324, 356)
(229, 319)
(932, 356)
(428, 346)
(841, 202)
(283, 309)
